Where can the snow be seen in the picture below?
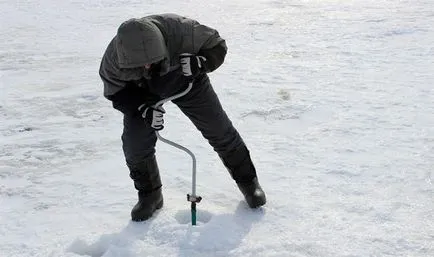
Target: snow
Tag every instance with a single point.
(335, 100)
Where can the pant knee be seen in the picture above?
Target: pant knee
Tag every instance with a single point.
(138, 140)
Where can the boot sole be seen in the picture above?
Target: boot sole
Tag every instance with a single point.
(160, 205)
(256, 205)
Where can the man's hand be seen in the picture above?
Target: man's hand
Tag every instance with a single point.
(153, 115)
(192, 65)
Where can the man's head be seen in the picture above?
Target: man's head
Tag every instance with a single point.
(139, 43)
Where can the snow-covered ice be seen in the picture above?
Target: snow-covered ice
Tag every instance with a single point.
(334, 98)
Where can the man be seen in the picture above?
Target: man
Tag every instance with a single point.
(146, 62)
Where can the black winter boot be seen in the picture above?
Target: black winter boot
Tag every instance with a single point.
(242, 170)
(148, 203)
(253, 193)
(146, 177)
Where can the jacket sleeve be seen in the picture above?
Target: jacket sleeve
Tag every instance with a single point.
(185, 35)
(214, 56)
(208, 43)
(128, 99)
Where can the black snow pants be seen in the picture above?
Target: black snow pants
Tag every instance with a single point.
(201, 105)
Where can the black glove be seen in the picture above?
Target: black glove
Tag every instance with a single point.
(153, 115)
(192, 65)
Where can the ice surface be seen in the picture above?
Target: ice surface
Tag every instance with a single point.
(335, 100)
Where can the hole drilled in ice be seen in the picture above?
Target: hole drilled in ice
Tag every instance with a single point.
(184, 216)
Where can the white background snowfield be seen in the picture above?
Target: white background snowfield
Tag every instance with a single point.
(334, 98)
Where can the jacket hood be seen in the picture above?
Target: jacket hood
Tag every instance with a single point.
(139, 42)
